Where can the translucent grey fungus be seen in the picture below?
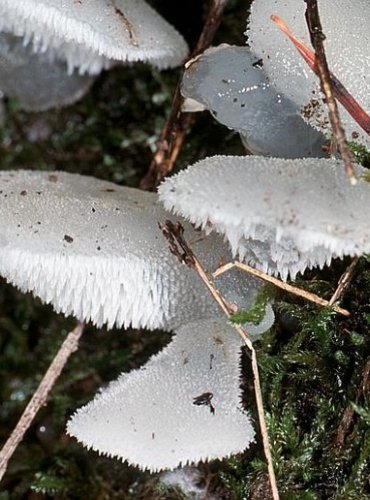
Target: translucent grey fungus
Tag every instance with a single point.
(92, 35)
(36, 81)
(280, 215)
(230, 82)
(346, 28)
(94, 250)
(182, 407)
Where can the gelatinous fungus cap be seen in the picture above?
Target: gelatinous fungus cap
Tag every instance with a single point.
(37, 82)
(346, 27)
(229, 81)
(94, 250)
(94, 34)
(280, 215)
(183, 406)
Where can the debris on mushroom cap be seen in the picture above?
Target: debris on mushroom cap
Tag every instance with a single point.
(229, 82)
(37, 82)
(183, 406)
(94, 250)
(346, 27)
(280, 215)
(93, 34)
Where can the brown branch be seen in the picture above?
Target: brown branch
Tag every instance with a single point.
(312, 297)
(317, 40)
(344, 281)
(177, 124)
(39, 398)
(174, 233)
(349, 416)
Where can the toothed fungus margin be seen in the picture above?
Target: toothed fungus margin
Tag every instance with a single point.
(94, 250)
(93, 34)
(37, 82)
(282, 216)
(136, 420)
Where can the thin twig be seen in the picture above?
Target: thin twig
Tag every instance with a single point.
(349, 415)
(317, 40)
(344, 281)
(69, 346)
(180, 248)
(312, 297)
(177, 124)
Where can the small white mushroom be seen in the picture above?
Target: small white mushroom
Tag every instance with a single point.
(183, 406)
(94, 34)
(280, 215)
(94, 250)
(37, 82)
(229, 82)
(346, 27)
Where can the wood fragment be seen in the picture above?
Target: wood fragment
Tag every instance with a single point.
(317, 40)
(344, 281)
(178, 124)
(349, 416)
(174, 233)
(39, 398)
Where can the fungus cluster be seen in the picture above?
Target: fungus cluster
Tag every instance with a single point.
(267, 92)
(280, 215)
(346, 49)
(73, 38)
(94, 250)
(230, 82)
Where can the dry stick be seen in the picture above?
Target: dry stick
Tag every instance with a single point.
(180, 248)
(69, 346)
(177, 124)
(349, 414)
(317, 39)
(312, 297)
(344, 281)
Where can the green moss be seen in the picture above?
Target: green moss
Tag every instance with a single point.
(313, 365)
(362, 155)
(256, 313)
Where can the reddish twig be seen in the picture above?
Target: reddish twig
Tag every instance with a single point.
(177, 124)
(317, 40)
(180, 248)
(69, 346)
